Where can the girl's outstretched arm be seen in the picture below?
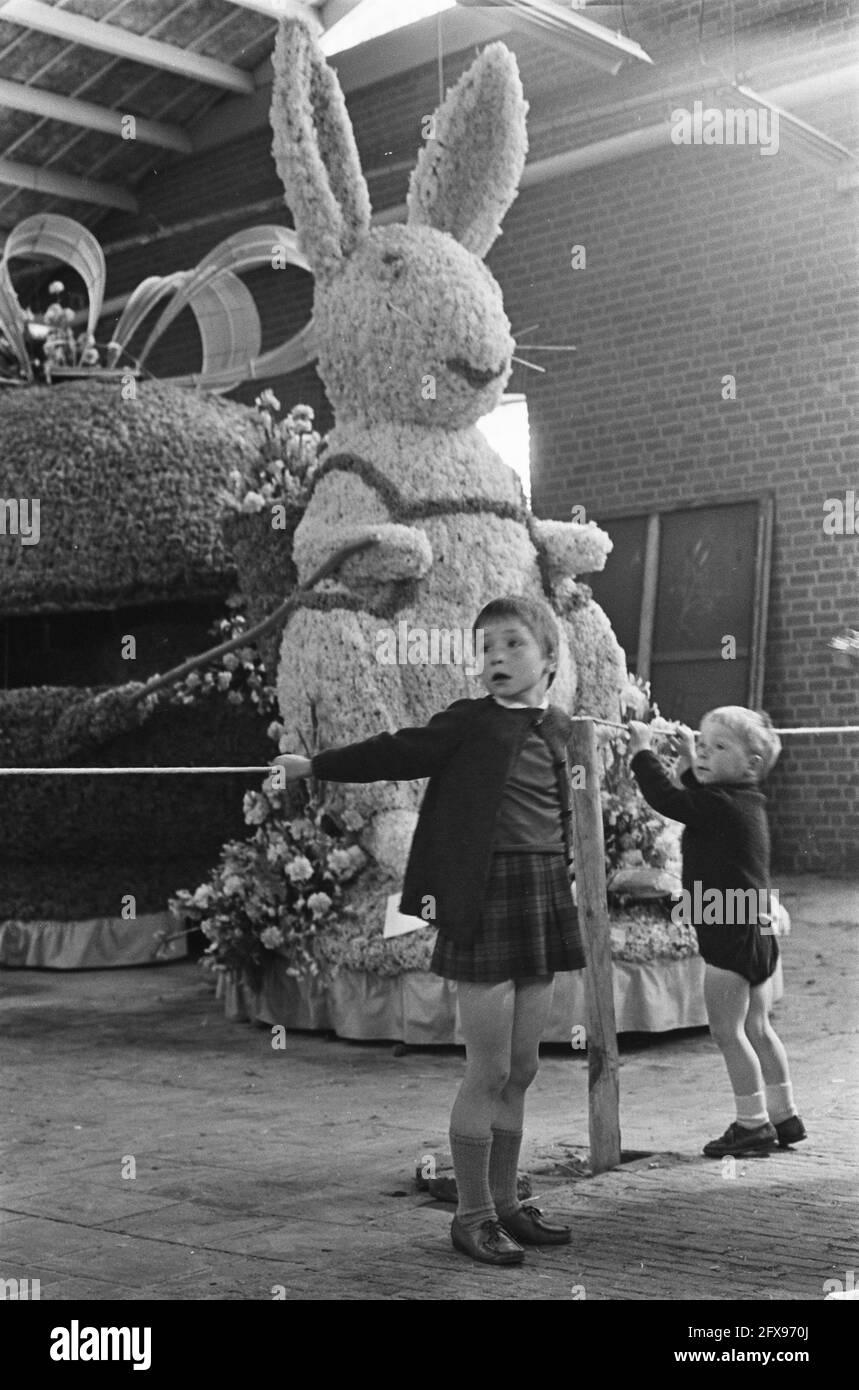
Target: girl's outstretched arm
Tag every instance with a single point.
(398, 757)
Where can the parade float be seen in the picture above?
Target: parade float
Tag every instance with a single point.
(414, 348)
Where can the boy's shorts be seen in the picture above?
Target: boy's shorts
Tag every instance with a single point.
(745, 950)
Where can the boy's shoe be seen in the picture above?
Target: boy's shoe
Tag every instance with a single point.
(739, 1140)
(790, 1131)
(490, 1243)
(530, 1226)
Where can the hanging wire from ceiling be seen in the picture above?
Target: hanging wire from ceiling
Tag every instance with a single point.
(440, 58)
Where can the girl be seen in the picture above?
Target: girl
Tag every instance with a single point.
(726, 850)
(488, 866)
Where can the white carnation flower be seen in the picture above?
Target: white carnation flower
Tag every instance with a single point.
(339, 861)
(255, 808)
(299, 870)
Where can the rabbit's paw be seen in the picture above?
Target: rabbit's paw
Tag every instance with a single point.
(570, 548)
(399, 552)
(395, 552)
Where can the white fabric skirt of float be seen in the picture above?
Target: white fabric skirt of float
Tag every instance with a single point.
(419, 1008)
(99, 943)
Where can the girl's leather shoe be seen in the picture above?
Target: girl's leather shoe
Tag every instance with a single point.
(738, 1140)
(530, 1226)
(490, 1243)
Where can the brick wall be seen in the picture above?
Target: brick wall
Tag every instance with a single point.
(697, 268)
(700, 262)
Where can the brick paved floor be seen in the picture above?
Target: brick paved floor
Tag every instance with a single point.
(257, 1170)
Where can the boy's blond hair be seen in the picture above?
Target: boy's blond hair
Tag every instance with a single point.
(755, 731)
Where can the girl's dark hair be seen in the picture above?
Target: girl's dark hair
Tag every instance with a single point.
(536, 615)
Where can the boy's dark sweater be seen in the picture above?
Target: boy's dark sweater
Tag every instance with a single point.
(726, 841)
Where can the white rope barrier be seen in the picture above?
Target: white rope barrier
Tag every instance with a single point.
(268, 767)
(820, 729)
(115, 771)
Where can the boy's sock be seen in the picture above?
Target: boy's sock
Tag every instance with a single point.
(751, 1110)
(504, 1170)
(780, 1102)
(471, 1167)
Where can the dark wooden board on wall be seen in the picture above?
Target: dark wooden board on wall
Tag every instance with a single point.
(686, 590)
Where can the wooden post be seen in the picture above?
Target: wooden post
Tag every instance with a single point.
(589, 851)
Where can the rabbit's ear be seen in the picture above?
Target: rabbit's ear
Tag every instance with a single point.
(468, 172)
(315, 152)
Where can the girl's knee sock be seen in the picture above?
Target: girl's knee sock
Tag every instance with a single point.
(504, 1169)
(471, 1167)
(751, 1110)
(780, 1102)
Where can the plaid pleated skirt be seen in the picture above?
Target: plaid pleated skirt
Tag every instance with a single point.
(528, 926)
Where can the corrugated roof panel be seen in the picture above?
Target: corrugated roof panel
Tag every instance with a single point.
(23, 53)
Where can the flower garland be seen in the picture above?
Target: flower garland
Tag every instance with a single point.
(240, 676)
(288, 461)
(283, 474)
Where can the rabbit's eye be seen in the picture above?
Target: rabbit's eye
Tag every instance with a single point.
(394, 261)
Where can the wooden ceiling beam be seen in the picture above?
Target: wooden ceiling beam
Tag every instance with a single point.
(122, 43)
(19, 96)
(332, 11)
(56, 185)
(276, 9)
(356, 67)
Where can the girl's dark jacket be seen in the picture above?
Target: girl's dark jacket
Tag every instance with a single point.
(468, 752)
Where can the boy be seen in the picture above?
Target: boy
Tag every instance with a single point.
(726, 852)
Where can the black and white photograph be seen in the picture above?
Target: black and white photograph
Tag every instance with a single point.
(429, 670)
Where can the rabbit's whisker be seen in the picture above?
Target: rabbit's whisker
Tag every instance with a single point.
(529, 329)
(532, 365)
(395, 310)
(550, 347)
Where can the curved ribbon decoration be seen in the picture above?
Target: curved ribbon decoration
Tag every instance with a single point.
(223, 306)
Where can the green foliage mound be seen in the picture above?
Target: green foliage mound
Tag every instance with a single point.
(129, 493)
